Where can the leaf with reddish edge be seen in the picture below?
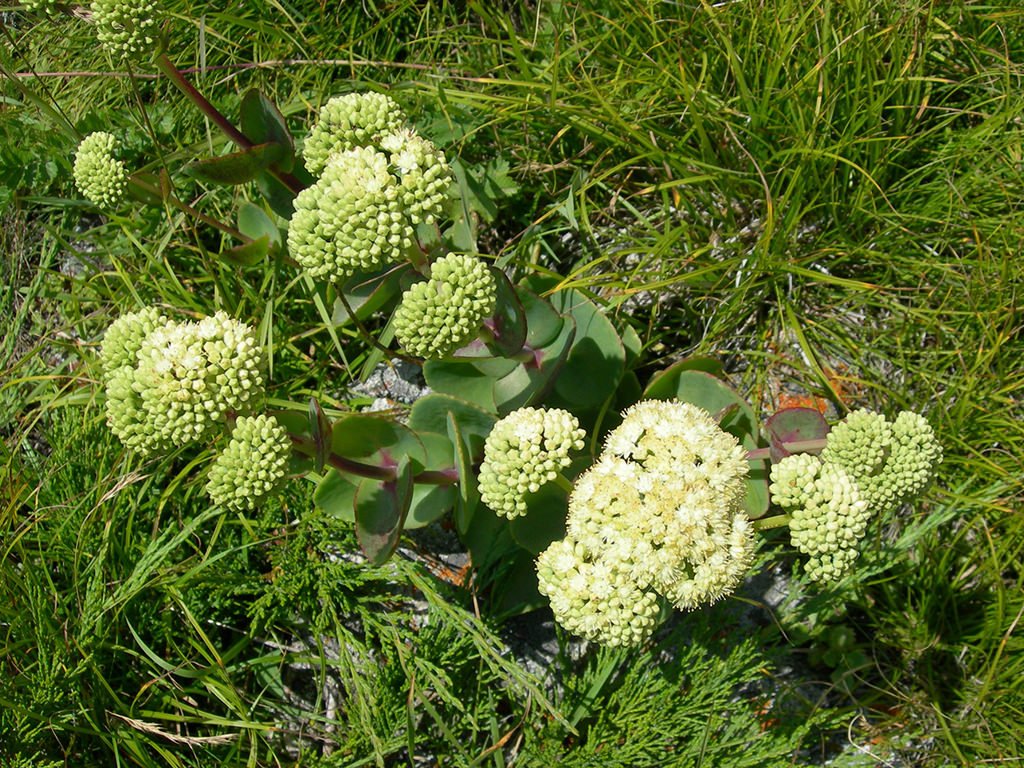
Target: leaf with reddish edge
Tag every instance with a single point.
(376, 440)
(237, 167)
(793, 425)
(248, 254)
(320, 429)
(262, 122)
(508, 324)
(381, 507)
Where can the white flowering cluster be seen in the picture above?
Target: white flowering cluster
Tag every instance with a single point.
(524, 451)
(439, 315)
(99, 176)
(126, 28)
(869, 465)
(378, 181)
(659, 514)
(169, 383)
(252, 465)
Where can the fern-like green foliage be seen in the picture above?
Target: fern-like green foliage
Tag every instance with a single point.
(702, 695)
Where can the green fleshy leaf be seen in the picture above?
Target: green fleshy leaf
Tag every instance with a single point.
(544, 521)
(254, 222)
(320, 430)
(432, 413)
(527, 383)
(597, 359)
(262, 122)
(278, 195)
(509, 319)
(543, 323)
(336, 495)
(381, 507)
(664, 385)
(376, 440)
(149, 188)
(430, 502)
(248, 254)
(469, 495)
(461, 380)
(236, 168)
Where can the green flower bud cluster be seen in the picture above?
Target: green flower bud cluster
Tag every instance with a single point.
(124, 337)
(892, 462)
(253, 464)
(659, 515)
(378, 181)
(869, 465)
(425, 174)
(126, 28)
(177, 384)
(47, 6)
(350, 121)
(352, 219)
(525, 450)
(828, 515)
(99, 176)
(439, 315)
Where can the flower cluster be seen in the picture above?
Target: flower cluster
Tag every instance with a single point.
(439, 315)
(252, 465)
(659, 514)
(378, 182)
(892, 462)
(170, 383)
(126, 28)
(828, 515)
(524, 451)
(350, 121)
(99, 176)
(869, 465)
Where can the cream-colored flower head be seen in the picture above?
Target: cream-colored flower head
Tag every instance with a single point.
(99, 176)
(253, 464)
(126, 28)
(828, 515)
(350, 121)
(659, 513)
(524, 451)
(189, 375)
(352, 219)
(439, 315)
(595, 597)
(668, 436)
